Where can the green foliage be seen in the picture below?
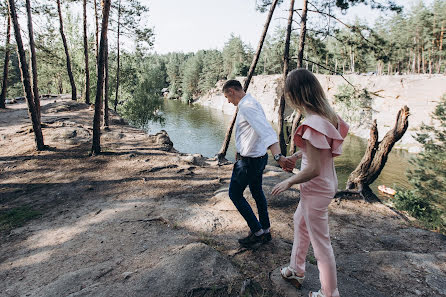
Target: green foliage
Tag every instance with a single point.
(354, 105)
(427, 200)
(192, 70)
(236, 58)
(417, 206)
(143, 99)
(175, 73)
(264, 5)
(15, 88)
(212, 70)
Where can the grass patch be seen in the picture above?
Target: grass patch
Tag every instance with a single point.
(17, 217)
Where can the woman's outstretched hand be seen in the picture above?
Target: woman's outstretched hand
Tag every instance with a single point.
(280, 187)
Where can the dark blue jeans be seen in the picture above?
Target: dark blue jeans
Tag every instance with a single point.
(248, 172)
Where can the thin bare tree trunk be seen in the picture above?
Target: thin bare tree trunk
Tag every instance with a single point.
(376, 156)
(26, 79)
(224, 148)
(87, 70)
(67, 54)
(6, 63)
(286, 60)
(106, 115)
(303, 34)
(33, 59)
(118, 66)
(300, 56)
(96, 147)
(97, 31)
(441, 46)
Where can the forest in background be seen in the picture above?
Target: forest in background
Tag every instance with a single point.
(409, 42)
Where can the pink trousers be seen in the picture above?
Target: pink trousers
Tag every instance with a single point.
(311, 225)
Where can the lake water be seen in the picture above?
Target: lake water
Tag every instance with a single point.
(199, 129)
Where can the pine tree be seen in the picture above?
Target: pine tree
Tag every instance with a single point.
(426, 200)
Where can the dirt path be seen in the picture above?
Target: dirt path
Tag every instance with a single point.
(140, 220)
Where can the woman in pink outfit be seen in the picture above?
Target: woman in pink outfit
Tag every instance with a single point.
(320, 139)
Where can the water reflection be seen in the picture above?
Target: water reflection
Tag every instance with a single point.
(199, 129)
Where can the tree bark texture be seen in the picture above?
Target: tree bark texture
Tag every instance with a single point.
(6, 63)
(376, 155)
(117, 58)
(87, 70)
(106, 113)
(26, 79)
(286, 60)
(300, 57)
(303, 33)
(96, 147)
(224, 148)
(32, 47)
(67, 54)
(96, 32)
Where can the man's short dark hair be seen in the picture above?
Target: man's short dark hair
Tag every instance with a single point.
(233, 84)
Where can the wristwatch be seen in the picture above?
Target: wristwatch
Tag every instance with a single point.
(277, 157)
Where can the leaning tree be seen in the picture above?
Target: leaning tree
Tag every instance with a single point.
(224, 148)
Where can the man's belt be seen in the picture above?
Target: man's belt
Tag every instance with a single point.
(240, 157)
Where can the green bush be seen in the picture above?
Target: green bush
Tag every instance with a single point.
(427, 201)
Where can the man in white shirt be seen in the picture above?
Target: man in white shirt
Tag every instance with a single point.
(253, 136)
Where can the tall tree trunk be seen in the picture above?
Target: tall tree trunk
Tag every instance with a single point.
(106, 116)
(96, 147)
(286, 61)
(64, 40)
(224, 148)
(117, 59)
(376, 156)
(26, 79)
(300, 56)
(96, 32)
(6, 63)
(87, 70)
(303, 34)
(441, 46)
(33, 59)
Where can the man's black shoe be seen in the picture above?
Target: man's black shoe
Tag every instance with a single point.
(266, 237)
(251, 240)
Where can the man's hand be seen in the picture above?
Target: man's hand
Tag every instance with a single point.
(287, 163)
(280, 187)
(290, 162)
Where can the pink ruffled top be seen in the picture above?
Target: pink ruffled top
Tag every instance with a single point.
(324, 136)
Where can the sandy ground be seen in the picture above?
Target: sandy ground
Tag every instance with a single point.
(140, 220)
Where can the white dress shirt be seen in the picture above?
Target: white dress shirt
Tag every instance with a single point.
(253, 133)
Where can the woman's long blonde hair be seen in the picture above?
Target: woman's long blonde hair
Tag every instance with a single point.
(304, 92)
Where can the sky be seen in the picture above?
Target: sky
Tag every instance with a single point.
(191, 25)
